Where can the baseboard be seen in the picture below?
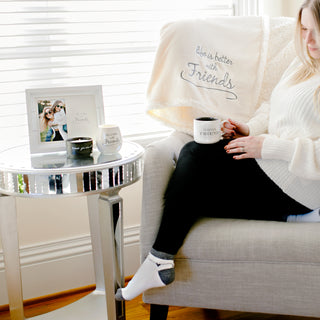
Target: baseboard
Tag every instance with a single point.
(65, 264)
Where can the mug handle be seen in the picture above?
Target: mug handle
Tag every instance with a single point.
(221, 126)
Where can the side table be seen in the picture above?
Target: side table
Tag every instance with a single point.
(100, 178)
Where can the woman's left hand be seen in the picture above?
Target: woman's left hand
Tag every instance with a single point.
(245, 147)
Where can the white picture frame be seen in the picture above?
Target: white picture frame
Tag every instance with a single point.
(78, 111)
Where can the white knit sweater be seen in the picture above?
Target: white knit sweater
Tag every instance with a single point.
(291, 149)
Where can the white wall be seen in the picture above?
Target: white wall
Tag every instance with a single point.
(291, 7)
(288, 8)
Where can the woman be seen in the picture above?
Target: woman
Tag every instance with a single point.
(274, 176)
(46, 118)
(60, 119)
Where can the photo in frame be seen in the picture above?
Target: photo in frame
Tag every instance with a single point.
(56, 114)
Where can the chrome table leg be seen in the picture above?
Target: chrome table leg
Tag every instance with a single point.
(10, 245)
(106, 224)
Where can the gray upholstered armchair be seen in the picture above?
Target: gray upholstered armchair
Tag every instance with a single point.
(239, 265)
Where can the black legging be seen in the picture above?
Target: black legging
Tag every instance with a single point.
(208, 182)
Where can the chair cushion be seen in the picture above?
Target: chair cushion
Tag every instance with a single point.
(249, 240)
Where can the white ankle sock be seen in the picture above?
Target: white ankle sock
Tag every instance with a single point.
(154, 272)
(313, 216)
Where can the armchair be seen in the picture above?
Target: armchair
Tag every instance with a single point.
(226, 264)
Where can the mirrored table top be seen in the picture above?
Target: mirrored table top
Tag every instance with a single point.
(23, 174)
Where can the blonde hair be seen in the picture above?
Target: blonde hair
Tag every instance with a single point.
(310, 66)
(43, 119)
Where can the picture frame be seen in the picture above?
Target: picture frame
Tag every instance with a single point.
(55, 114)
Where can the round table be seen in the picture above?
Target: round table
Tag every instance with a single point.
(99, 177)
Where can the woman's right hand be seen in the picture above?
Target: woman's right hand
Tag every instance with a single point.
(233, 129)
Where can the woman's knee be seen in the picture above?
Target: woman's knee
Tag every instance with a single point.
(197, 150)
(188, 148)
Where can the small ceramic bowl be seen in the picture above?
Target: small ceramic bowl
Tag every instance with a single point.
(79, 147)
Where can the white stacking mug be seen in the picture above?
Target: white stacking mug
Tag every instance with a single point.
(109, 140)
(207, 130)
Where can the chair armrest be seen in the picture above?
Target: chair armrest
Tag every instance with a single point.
(159, 163)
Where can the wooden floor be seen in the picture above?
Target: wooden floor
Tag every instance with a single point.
(137, 310)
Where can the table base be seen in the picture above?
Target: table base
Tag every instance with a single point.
(106, 226)
(92, 306)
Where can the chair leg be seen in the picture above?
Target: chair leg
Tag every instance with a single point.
(158, 312)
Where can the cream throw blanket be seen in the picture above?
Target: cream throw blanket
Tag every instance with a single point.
(224, 67)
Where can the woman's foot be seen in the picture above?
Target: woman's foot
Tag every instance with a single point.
(156, 271)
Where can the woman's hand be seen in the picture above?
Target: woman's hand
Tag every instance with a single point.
(234, 129)
(245, 147)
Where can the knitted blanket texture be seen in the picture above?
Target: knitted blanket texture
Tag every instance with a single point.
(222, 67)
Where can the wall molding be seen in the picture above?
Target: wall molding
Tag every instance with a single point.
(53, 250)
(46, 267)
